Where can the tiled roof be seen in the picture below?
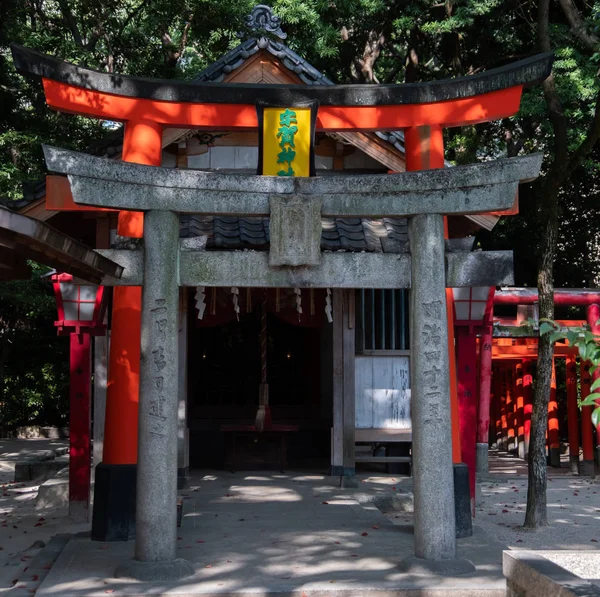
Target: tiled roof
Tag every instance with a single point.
(389, 235)
(231, 61)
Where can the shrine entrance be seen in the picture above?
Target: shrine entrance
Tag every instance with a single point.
(224, 365)
(295, 208)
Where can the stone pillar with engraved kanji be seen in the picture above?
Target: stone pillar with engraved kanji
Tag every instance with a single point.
(156, 498)
(434, 518)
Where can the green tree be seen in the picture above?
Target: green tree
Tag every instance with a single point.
(33, 361)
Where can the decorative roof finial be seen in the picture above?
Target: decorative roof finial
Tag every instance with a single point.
(262, 20)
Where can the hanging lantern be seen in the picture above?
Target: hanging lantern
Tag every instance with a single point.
(473, 305)
(79, 305)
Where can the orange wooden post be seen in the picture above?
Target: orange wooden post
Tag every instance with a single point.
(587, 429)
(553, 432)
(572, 413)
(496, 402)
(527, 402)
(114, 492)
(510, 408)
(485, 418)
(503, 411)
(520, 405)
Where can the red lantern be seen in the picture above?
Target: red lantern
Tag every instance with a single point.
(80, 316)
(473, 306)
(80, 306)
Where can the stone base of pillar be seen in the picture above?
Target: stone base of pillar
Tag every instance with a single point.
(155, 571)
(597, 454)
(521, 450)
(462, 501)
(420, 566)
(482, 462)
(183, 477)
(574, 464)
(348, 479)
(554, 457)
(113, 517)
(587, 468)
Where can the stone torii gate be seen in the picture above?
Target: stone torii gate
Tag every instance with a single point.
(295, 207)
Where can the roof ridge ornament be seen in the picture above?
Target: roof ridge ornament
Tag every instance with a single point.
(262, 20)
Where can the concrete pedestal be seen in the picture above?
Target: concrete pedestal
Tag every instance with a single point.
(483, 465)
(574, 464)
(156, 503)
(433, 477)
(554, 457)
(462, 501)
(113, 517)
(587, 468)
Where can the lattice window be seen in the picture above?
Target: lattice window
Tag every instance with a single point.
(382, 320)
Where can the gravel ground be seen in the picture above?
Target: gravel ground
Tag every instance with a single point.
(573, 513)
(22, 528)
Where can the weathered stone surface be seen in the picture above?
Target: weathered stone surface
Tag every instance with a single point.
(551, 573)
(39, 469)
(432, 442)
(448, 567)
(156, 503)
(479, 268)
(155, 571)
(295, 230)
(476, 188)
(482, 459)
(336, 270)
(54, 492)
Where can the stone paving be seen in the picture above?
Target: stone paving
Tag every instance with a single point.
(259, 533)
(253, 534)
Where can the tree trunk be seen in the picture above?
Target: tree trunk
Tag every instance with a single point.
(536, 514)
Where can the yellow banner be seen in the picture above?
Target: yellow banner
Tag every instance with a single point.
(286, 141)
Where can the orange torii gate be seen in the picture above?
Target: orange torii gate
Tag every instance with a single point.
(513, 359)
(147, 107)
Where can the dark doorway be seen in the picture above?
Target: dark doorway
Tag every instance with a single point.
(224, 375)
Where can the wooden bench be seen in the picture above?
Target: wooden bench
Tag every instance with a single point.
(382, 436)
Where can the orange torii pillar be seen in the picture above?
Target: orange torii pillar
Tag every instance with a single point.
(114, 489)
(424, 150)
(553, 432)
(593, 318)
(466, 350)
(527, 402)
(572, 413)
(496, 405)
(520, 405)
(485, 398)
(503, 412)
(510, 408)
(587, 428)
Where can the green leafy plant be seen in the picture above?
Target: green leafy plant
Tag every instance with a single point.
(588, 346)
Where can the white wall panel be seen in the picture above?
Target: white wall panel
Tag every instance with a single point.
(383, 392)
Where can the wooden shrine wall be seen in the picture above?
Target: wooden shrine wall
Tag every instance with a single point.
(383, 392)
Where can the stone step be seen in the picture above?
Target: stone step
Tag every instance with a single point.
(31, 577)
(54, 492)
(386, 459)
(40, 469)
